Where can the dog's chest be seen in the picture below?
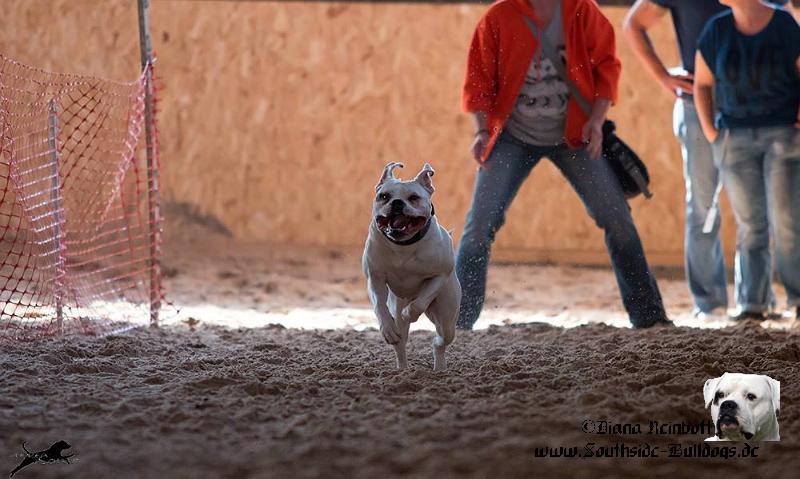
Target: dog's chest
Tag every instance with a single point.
(406, 275)
(408, 286)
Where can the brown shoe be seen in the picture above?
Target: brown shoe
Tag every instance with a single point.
(745, 315)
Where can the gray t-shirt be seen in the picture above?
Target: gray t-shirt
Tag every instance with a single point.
(540, 114)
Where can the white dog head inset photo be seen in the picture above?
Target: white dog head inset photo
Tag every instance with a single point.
(744, 407)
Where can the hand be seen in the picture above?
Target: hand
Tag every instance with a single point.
(389, 331)
(593, 135)
(711, 135)
(479, 145)
(674, 82)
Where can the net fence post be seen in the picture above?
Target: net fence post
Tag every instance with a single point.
(153, 196)
(55, 201)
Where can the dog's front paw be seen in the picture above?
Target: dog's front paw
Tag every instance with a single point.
(410, 313)
(389, 332)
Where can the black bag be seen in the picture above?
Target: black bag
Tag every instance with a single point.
(626, 164)
(629, 168)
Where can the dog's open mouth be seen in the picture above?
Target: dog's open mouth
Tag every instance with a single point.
(399, 225)
(728, 426)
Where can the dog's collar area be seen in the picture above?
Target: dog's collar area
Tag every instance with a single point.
(420, 234)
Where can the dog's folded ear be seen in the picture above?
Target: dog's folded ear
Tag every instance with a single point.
(424, 178)
(710, 389)
(775, 388)
(388, 174)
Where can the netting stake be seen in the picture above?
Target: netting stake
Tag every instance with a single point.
(153, 196)
(55, 200)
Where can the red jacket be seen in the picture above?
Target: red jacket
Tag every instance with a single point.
(503, 47)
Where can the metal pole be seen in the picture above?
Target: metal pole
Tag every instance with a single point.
(58, 223)
(153, 197)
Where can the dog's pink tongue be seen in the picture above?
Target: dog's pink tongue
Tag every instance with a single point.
(400, 221)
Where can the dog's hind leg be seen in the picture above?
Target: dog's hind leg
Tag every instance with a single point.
(443, 312)
(400, 347)
(444, 336)
(396, 306)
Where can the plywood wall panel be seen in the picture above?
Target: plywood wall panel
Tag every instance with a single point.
(277, 118)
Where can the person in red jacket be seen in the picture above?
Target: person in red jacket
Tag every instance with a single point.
(523, 111)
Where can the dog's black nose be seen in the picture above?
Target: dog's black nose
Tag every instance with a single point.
(727, 406)
(398, 205)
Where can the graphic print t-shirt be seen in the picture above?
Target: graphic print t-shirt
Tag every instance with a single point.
(756, 80)
(540, 114)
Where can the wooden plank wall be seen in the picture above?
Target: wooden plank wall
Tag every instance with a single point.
(277, 118)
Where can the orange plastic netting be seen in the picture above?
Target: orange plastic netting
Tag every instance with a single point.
(76, 236)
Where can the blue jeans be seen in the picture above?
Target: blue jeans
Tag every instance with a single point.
(703, 257)
(496, 185)
(761, 172)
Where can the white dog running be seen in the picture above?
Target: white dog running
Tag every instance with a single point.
(744, 407)
(409, 264)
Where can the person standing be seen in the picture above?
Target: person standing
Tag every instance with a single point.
(523, 111)
(747, 96)
(704, 260)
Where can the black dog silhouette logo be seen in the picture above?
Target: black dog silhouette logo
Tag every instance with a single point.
(50, 455)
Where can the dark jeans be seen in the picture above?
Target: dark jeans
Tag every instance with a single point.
(496, 185)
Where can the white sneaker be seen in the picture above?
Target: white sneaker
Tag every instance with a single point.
(792, 313)
(716, 314)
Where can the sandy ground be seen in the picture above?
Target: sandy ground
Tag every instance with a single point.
(219, 392)
(218, 281)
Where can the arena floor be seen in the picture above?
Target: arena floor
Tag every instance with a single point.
(233, 388)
